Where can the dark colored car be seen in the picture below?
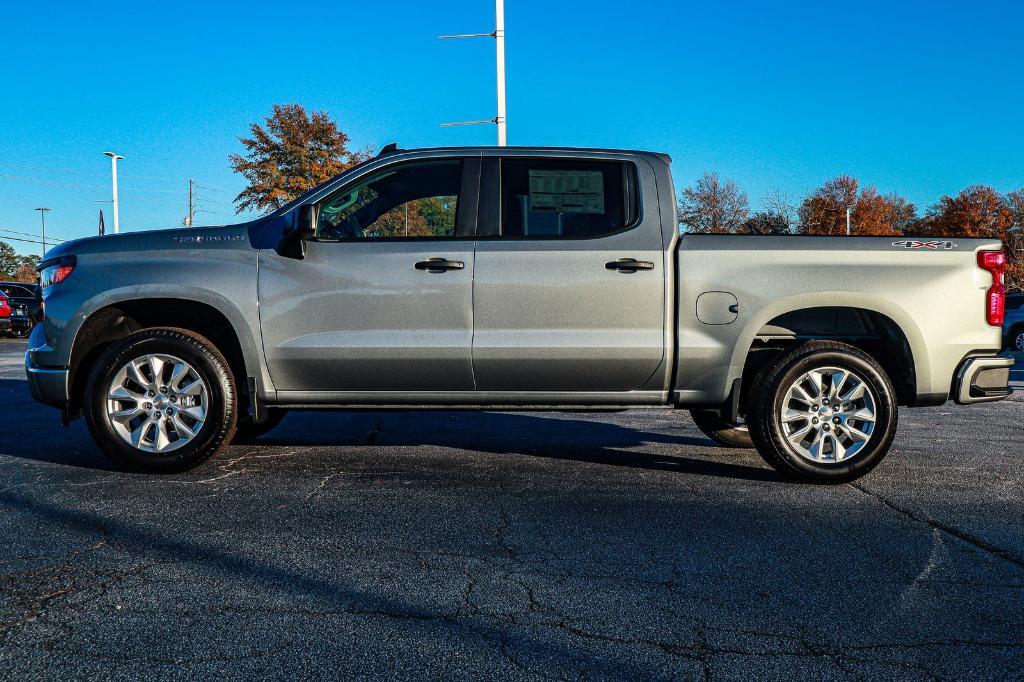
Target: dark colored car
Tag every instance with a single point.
(1013, 327)
(26, 306)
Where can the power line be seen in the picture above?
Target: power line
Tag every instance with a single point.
(89, 173)
(19, 239)
(29, 234)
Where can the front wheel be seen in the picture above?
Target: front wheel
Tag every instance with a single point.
(824, 412)
(161, 400)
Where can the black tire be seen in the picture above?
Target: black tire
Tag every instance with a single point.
(22, 332)
(728, 435)
(216, 431)
(1015, 340)
(768, 394)
(247, 432)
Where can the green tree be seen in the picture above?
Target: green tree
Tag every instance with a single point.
(291, 153)
(9, 261)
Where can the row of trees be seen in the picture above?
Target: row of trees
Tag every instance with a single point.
(713, 206)
(294, 150)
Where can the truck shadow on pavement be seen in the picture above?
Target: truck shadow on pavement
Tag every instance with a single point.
(551, 436)
(571, 437)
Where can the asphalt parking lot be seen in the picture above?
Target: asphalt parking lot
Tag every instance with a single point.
(467, 545)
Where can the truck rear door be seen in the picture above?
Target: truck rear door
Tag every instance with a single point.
(569, 279)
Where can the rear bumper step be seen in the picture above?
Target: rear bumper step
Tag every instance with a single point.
(983, 379)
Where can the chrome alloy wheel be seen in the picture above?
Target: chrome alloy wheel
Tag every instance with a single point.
(1019, 342)
(157, 403)
(828, 415)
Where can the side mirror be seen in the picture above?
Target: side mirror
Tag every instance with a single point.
(302, 229)
(305, 222)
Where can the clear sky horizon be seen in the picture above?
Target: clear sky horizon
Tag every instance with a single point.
(919, 98)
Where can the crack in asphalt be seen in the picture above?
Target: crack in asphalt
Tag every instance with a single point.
(953, 531)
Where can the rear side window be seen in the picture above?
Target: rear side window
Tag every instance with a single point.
(1014, 302)
(546, 198)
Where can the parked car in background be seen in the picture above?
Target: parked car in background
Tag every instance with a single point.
(5, 314)
(26, 302)
(1013, 327)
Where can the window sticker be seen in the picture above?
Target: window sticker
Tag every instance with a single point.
(567, 191)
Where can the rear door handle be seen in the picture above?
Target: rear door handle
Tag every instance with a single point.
(628, 265)
(438, 265)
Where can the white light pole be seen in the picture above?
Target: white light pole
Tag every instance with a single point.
(113, 169)
(499, 43)
(847, 221)
(42, 218)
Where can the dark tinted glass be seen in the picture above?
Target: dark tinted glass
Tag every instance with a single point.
(412, 200)
(551, 198)
(1014, 302)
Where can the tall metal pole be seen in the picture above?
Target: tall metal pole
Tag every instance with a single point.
(499, 42)
(42, 218)
(847, 221)
(113, 170)
(191, 209)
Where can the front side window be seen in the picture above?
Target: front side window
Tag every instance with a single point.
(575, 198)
(418, 199)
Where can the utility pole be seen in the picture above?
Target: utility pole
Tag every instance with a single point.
(42, 218)
(191, 206)
(499, 43)
(113, 169)
(847, 221)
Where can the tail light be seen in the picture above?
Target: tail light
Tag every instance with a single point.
(55, 271)
(994, 262)
(3, 304)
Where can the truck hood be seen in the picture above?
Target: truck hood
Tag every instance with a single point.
(148, 240)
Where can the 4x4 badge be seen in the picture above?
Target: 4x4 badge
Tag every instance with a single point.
(918, 244)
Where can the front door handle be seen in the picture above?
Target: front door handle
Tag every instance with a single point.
(628, 265)
(438, 265)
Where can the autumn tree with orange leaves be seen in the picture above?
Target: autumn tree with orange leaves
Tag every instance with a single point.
(980, 211)
(291, 153)
(871, 213)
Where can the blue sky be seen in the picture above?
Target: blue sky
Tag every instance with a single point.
(922, 98)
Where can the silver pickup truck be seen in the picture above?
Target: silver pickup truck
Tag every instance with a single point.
(505, 279)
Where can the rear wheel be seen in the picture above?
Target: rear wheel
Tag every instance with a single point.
(724, 433)
(824, 412)
(161, 400)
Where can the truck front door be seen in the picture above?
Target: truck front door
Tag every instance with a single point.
(382, 300)
(569, 290)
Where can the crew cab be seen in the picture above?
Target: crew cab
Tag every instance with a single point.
(513, 278)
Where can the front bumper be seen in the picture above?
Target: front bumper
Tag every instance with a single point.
(48, 385)
(983, 380)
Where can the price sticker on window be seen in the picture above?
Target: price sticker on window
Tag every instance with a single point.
(567, 191)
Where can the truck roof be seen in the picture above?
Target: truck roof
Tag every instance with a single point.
(394, 149)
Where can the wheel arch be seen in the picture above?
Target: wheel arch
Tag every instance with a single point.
(222, 325)
(884, 331)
